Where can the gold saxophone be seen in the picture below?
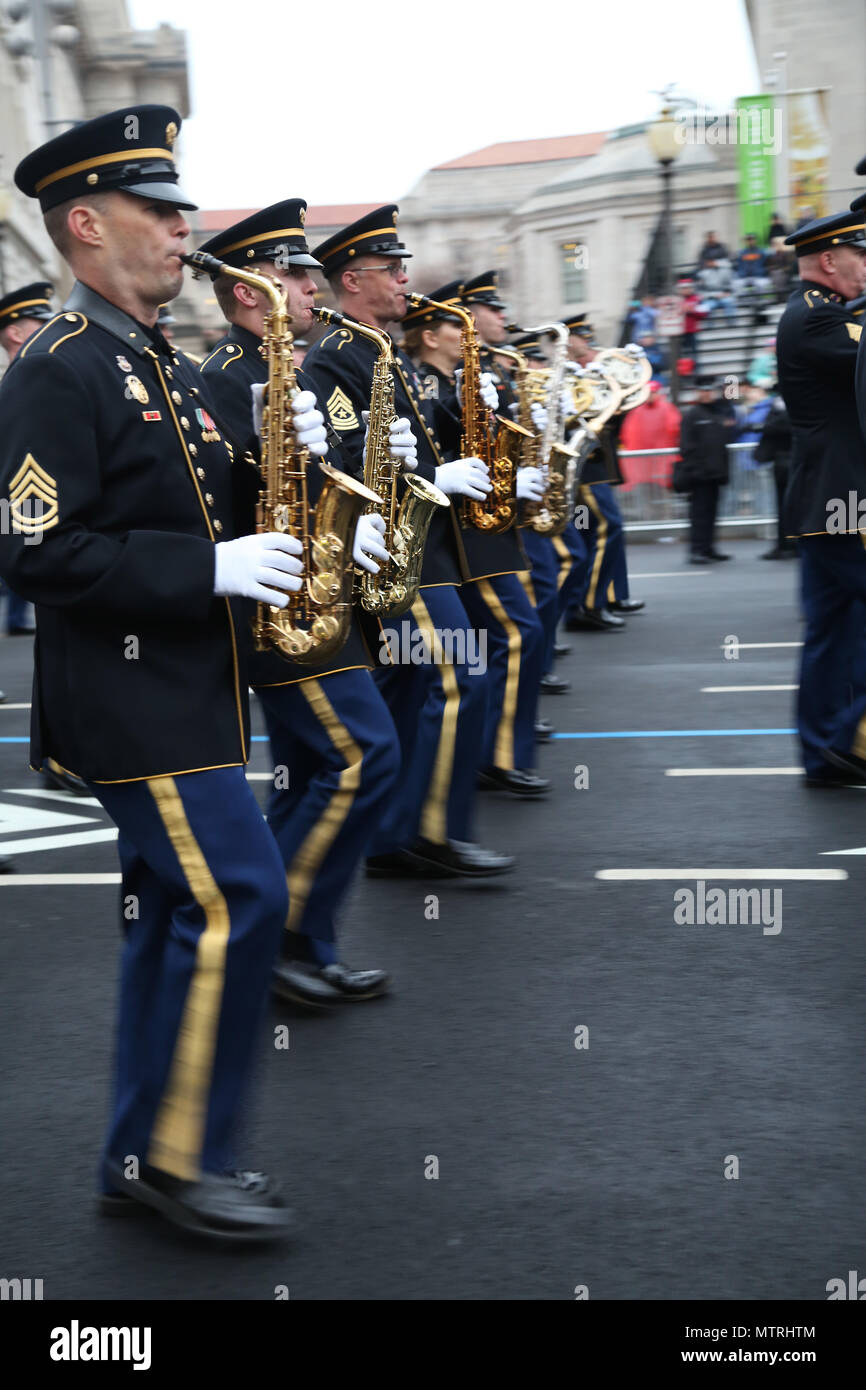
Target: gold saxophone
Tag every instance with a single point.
(395, 588)
(500, 452)
(315, 622)
(551, 515)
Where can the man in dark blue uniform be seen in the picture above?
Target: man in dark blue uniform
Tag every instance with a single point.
(330, 730)
(121, 536)
(493, 596)
(438, 706)
(817, 351)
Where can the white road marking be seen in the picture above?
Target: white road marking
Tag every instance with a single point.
(260, 777)
(68, 797)
(40, 880)
(81, 837)
(739, 689)
(670, 574)
(679, 875)
(735, 772)
(2, 707)
(14, 819)
(754, 646)
(844, 851)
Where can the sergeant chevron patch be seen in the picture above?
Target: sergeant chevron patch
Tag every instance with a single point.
(854, 330)
(341, 411)
(32, 483)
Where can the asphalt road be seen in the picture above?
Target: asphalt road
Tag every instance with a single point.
(558, 1166)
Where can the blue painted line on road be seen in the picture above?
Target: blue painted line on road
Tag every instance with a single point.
(682, 733)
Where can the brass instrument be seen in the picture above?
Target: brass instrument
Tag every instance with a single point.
(500, 452)
(606, 401)
(395, 588)
(550, 516)
(631, 369)
(315, 622)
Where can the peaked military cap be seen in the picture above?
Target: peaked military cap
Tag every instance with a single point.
(129, 150)
(859, 203)
(579, 325)
(274, 234)
(484, 289)
(375, 234)
(840, 229)
(427, 315)
(861, 167)
(530, 345)
(30, 302)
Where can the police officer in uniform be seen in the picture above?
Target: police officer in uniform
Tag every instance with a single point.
(138, 683)
(328, 724)
(493, 597)
(439, 706)
(606, 595)
(817, 352)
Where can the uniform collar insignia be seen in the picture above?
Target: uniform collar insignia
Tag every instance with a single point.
(98, 310)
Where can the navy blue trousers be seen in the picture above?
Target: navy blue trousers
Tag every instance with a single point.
(831, 703)
(605, 542)
(203, 902)
(334, 741)
(543, 588)
(515, 655)
(572, 555)
(438, 706)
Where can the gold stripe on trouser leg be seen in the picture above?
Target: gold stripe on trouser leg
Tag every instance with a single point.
(611, 593)
(858, 744)
(177, 1138)
(503, 755)
(310, 856)
(525, 577)
(434, 812)
(566, 561)
(600, 543)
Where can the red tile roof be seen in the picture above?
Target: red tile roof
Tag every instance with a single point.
(530, 151)
(323, 215)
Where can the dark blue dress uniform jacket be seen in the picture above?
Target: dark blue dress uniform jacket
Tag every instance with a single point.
(229, 372)
(137, 668)
(341, 365)
(816, 351)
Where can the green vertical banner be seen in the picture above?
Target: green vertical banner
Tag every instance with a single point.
(758, 147)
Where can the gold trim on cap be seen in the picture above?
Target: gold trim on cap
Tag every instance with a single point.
(835, 232)
(265, 236)
(361, 236)
(479, 289)
(23, 304)
(129, 156)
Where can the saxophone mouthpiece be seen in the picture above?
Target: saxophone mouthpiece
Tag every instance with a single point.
(418, 301)
(513, 328)
(202, 262)
(328, 316)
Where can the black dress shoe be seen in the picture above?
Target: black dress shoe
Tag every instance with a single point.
(6, 866)
(553, 685)
(785, 552)
(237, 1206)
(516, 780)
(853, 767)
(300, 983)
(544, 731)
(2, 697)
(593, 620)
(628, 605)
(561, 648)
(354, 984)
(700, 560)
(717, 555)
(56, 776)
(456, 859)
(20, 631)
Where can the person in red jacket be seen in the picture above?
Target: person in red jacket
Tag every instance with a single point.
(653, 425)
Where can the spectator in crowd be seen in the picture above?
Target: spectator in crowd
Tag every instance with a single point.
(716, 283)
(781, 266)
(762, 372)
(777, 229)
(751, 414)
(654, 352)
(774, 447)
(751, 267)
(694, 314)
(807, 214)
(653, 425)
(633, 309)
(708, 426)
(712, 250)
(645, 318)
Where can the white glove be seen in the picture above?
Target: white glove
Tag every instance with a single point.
(246, 567)
(402, 443)
(530, 484)
(574, 368)
(308, 423)
(539, 417)
(466, 477)
(368, 542)
(634, 350)
(566, 405)
(486, 387)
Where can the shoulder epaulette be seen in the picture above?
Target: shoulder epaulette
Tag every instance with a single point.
(54, 333)
(231, 352)
(344, 334)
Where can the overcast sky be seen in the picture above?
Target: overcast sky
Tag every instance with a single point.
(350, 103)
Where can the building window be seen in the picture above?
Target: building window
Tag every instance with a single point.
(574, 260)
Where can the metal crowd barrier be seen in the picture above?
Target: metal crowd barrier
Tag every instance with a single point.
(749, 500)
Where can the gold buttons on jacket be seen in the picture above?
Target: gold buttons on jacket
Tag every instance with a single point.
(176, 397)
(193, 450)
(208, 497)
(199, 473)
(184, 422)
(218, 526)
